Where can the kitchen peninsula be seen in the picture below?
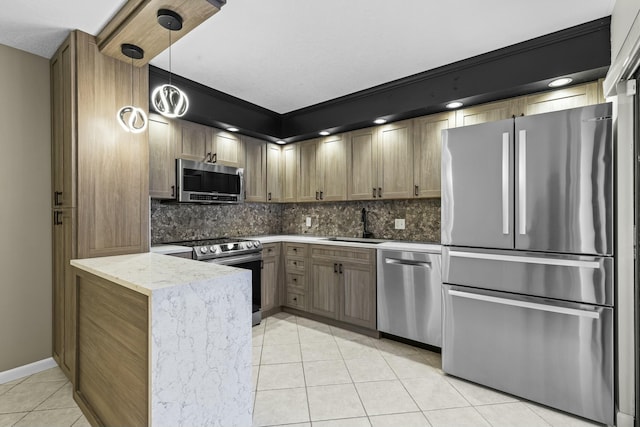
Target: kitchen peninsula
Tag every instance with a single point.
(162, 341)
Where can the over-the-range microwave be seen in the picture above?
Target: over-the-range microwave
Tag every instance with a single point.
(200, 182)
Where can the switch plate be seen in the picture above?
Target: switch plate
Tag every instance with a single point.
(400, 224)
(308, 221)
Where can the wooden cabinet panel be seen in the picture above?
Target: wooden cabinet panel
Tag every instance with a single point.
(255, 173)
(162, 163)
(64, 250)
(227, 148)
(562, 99)
(274, 173)
(113, 165)
(295, 287)
(63, 143)
(270, 268)
(308, 190)
(395, 154)
(193, 141)
(290, 173)
(332, 170)
(362, 176)
(358, 294)
(490, 112)
(324, 289)
(427, 147)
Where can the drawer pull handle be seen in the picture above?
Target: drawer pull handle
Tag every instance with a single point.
(379, 191)
(374, 192)
(416, 191)
(527, 260)
(340, 269)
(526, 304)
(335, 268)
(317, 195)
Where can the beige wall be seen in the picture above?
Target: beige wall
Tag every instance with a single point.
(25, 209)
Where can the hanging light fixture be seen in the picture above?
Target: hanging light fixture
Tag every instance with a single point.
(131, 118)
(167, 99)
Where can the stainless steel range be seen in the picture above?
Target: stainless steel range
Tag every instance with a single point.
(236, 253)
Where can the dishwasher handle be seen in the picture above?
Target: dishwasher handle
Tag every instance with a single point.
(396, 261)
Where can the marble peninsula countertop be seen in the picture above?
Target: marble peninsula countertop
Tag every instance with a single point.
(148, 272)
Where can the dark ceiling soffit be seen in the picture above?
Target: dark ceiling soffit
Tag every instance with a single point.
(582, 51)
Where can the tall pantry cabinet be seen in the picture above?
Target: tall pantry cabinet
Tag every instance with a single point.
(100, 172)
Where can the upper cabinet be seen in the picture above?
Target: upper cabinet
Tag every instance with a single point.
(323, 169)
(490, 112)
(395, 157)
(290, 173)
(308, 188)
(227, 149)
(274, 173)
(193, 141)
(361, 156)
(563, 99)
(427, 145)
(162, 158)
(255, 173)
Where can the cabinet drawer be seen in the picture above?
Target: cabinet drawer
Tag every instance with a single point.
(295, 264)
(295, 280)
(295, 299)
(293, 249)
(270, 249)
(343, 253)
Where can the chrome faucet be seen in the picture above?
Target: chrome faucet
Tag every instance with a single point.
(365, 233)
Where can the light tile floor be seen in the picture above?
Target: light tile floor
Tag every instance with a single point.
(306, 373)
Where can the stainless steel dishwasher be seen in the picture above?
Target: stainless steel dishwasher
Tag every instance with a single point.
(409, 295)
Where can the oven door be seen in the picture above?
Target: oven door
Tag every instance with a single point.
(251, 262)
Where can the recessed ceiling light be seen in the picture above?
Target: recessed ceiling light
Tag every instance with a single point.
(560, 82)
(379, 121)
(232, 129)
(281, 142)
(454, 104)
(324, 133)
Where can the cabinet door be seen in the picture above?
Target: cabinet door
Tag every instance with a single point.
(362, 175)
(162, 159)
(358, 294)
(255, 172)
(332, 167)
(308, 188)
(290, 173)
(274, 173)
(63, 138)
(63, 289)
(427, 147)
(490, 112)
(193, 141)
(269, 283)
(395, 157)
(324, 288)
(562, 99)
(227, 148)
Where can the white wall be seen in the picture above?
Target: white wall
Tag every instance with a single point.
(25, 209)
(624, 13)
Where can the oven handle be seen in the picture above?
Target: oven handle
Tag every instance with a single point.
(239, 259)
(526, 304)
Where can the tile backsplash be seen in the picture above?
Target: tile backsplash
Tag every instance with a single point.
(172, 222)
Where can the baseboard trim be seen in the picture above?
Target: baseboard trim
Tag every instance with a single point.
(25, 370)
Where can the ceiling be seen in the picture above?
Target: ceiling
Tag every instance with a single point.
(284, 55)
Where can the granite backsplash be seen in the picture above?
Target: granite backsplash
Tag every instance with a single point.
(171, 222)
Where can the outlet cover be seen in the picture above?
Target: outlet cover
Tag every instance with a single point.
(399, 224)
(308, 221)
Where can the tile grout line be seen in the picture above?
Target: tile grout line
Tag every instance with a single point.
(304, 377)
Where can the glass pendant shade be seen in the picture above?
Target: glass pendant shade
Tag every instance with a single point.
(132, 119)
(170, 101)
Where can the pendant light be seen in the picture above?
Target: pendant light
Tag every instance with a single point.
(167, 99)
(131, 118)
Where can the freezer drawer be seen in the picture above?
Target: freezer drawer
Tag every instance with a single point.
(579, 278)
(558, 354)
(409, 295)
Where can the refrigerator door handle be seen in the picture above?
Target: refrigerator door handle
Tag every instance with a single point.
(528, 260)
(522, 181)
(505, 183)
(407, 262)
(526, 304)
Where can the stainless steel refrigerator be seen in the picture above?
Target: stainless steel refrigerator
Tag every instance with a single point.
(527, 224)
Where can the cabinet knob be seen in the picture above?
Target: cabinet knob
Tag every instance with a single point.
(295, 263)
(317, 195)
(173, 191)
(56, 218)
(322, 195)
(56, 198)
(269, 197)
(214, 158)
(295, 298)
(295, 280)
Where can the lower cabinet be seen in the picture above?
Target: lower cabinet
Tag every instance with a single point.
(270, 297)
(343, 284)
(295, 283)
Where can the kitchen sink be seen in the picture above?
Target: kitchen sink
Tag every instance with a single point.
(356, 240)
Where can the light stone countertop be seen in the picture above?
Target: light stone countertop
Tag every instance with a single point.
(319, 240)
(148, 272)
(170, 249)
